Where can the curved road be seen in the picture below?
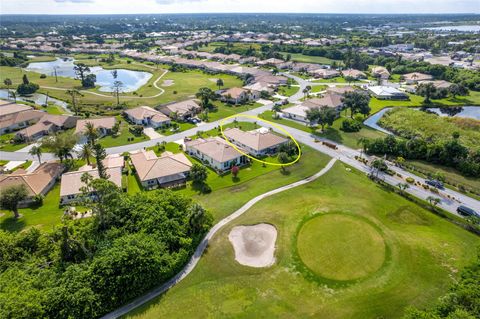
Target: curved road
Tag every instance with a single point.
(204, 243)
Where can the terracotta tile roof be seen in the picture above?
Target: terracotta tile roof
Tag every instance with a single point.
(180, 108)
(215, 148)
(35, 182)
(71, 183)
(254, 139)
(103, 122)
(416, 76)
(234, 93)
(144, 112)
(329, 100)
(354, 73)
(150, 166)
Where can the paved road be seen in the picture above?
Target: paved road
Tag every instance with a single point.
(343, 153)
(204, 243)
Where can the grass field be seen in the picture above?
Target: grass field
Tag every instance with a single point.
(298, 57)
(408, 123)
(357, 253)
(426, 253)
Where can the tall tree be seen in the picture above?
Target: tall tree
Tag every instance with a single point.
(117, 89)
(91, 133)
(11, 196)
(356, 102)
(426, 90)
(8, 82)
(322, 116)
(74, 94)
(219, 83)
(86, 152)
(36, 151)
(205, 95)
(198, 173)
(80, 70)
(62, 145)
(100, 155)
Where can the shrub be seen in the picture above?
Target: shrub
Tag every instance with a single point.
(349, 125)
(43, 76)
(28, 88)
(410, 180)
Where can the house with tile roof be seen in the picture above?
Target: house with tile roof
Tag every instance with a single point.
(182, 110)
(215, 152)
(48, 124)
(104, 125)
(71, 183)
(166, 170)
(256, 142)
(15, 116)
(38, 182)
(147, 116)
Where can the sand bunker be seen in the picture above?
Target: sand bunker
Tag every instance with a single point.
(254, 245)
(213, 80)
(168, 83)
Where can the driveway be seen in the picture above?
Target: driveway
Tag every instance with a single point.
(151, 133)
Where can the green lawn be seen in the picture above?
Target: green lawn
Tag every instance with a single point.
(425, 254)
(288, 91)
(6, 145)
(224, 110)
(123, 136)
(298, 57)
(318, 88)
(46, 216)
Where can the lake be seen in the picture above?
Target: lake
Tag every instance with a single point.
(132, 80)
(36, 98)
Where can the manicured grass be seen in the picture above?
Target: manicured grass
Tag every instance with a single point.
(182, 126)
(46, 216)
(123, 136)
(288, 91)
(6, 145)
(338, 79)
(298, 57)
(318, 88)
(340, 247)
(425, 258)
(408, 123)
(225, 110)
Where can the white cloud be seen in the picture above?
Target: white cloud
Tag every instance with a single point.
(201, 6)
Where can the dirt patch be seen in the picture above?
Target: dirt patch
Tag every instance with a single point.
(168, 83)
(254, 245)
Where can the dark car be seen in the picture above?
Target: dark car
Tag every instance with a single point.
(435, 183)
(467, 211)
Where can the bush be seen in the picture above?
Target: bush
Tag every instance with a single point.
(349, 125)
(43, 76)
(410, 180)
(28, 88)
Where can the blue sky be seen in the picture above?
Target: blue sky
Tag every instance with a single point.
(187, 6)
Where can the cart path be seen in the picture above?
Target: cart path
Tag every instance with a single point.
(204, 243)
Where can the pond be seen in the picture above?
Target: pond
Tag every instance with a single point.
(36, 98)
(132, 80)
(460, 111)
(458, 28)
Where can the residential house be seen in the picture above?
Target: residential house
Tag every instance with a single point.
(387, 93)
(257, 88)
(215, 152)
(257, 142)
(272, 80)
(356, 74)
(104, 125)
(341, 90)
(167, 170)
(324, 73)
(381, 72)
(38, 182)
(147, 116)
(181, 110)
(415, 77)
(15, 116)
(71, 184)
(271, 62)
(299, 112)
(236, 95)
(48, 124)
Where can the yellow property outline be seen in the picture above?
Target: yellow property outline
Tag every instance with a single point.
(254, 158)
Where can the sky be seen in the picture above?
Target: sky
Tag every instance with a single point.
(201, 6)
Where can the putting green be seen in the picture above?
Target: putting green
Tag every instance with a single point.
(340, 247)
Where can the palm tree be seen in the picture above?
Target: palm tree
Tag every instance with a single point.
(205, 95)
(402, 187)
(91, 133)
(61, 145)
(219, 83)
(14, 95)
(197, 218)
(86, 152)
(364, 142)
(36, 151)
(434, 201)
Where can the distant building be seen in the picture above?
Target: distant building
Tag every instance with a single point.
(387, 93)
(381, 72)
(15, 116)
(356, 74)
(236, 95)
(48, 124)
(416, 77)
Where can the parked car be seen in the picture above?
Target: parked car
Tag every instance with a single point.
(467, 211)
(435, 183)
